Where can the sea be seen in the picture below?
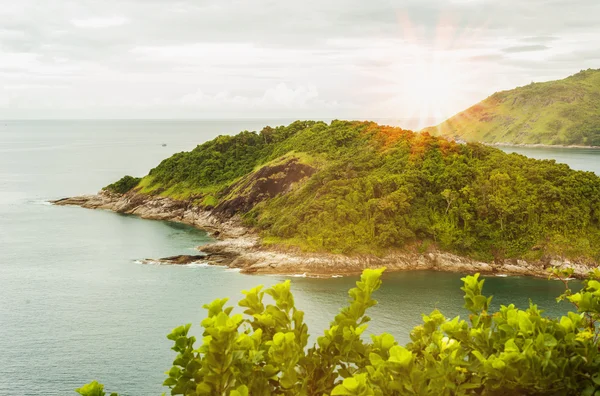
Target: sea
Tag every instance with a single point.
(76, 305)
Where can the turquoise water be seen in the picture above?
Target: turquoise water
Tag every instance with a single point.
(586, 159)
(74, 305)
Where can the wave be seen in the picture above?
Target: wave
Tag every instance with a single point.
(202, 264)
(41, 202)
(305, 275)
(197, 264)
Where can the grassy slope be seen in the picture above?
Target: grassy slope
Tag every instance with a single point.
(563, 112)
(374, 188)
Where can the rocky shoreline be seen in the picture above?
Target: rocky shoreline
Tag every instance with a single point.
(241, 248)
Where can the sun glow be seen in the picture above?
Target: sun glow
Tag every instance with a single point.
(432, 89)
(426, 79)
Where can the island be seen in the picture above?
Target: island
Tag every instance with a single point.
(327, 199)
(554, 113)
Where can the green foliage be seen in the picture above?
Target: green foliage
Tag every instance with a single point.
(209, 201)
(470, 199)
(223, 159)
(508, 352)
(564, 112)
(378, 188)
(93, 389)
(123, 185)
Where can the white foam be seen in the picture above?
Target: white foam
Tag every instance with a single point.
(41, 202)
(233, 270)
(148, 262)
(197, 265)
(305, 275)
(501, 275)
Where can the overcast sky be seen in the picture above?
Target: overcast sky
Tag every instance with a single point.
(311, 58)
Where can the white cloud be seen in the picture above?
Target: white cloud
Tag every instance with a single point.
(4, 100)
(100, 22)
(338, 58)
(278, 97)
(284, 96)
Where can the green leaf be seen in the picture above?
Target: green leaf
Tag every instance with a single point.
(400, 355)
(240, 391)
(92, 389)
(550, 341)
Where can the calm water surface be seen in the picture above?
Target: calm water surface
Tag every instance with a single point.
(586, 159)
(74, 305)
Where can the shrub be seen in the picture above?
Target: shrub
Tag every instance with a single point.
(508, 352)
(123, 185)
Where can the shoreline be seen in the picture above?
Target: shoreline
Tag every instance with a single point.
(540, 145)
(240, 248)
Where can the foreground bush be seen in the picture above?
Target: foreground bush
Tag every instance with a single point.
(507, 352)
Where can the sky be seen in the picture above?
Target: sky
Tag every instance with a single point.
(351, 59)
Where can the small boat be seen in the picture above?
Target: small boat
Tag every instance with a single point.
(164, 144)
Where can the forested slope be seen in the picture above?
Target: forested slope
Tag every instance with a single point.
(563, 112)
(358, 187)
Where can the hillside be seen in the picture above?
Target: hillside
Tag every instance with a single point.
(563, 112)
(357, 187)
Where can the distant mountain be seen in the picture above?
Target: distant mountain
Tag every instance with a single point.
(562, 112)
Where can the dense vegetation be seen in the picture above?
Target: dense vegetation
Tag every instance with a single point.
(218, 162)
(507, 352)
(377, 188)
(564, 112)
(123, 185)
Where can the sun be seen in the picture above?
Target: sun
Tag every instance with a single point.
(432, 88)
(423, 91)
(427, 77)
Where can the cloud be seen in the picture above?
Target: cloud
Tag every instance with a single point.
(525, 48)
(539, 39)
(346, 58)
(486, 58)
(100, 22)
(278, 97)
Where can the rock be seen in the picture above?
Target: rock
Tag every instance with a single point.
(158, 208)
(240, 247)
(177, 260)
(267, 182)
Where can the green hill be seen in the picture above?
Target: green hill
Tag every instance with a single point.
(358, 187)
(563, 112)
